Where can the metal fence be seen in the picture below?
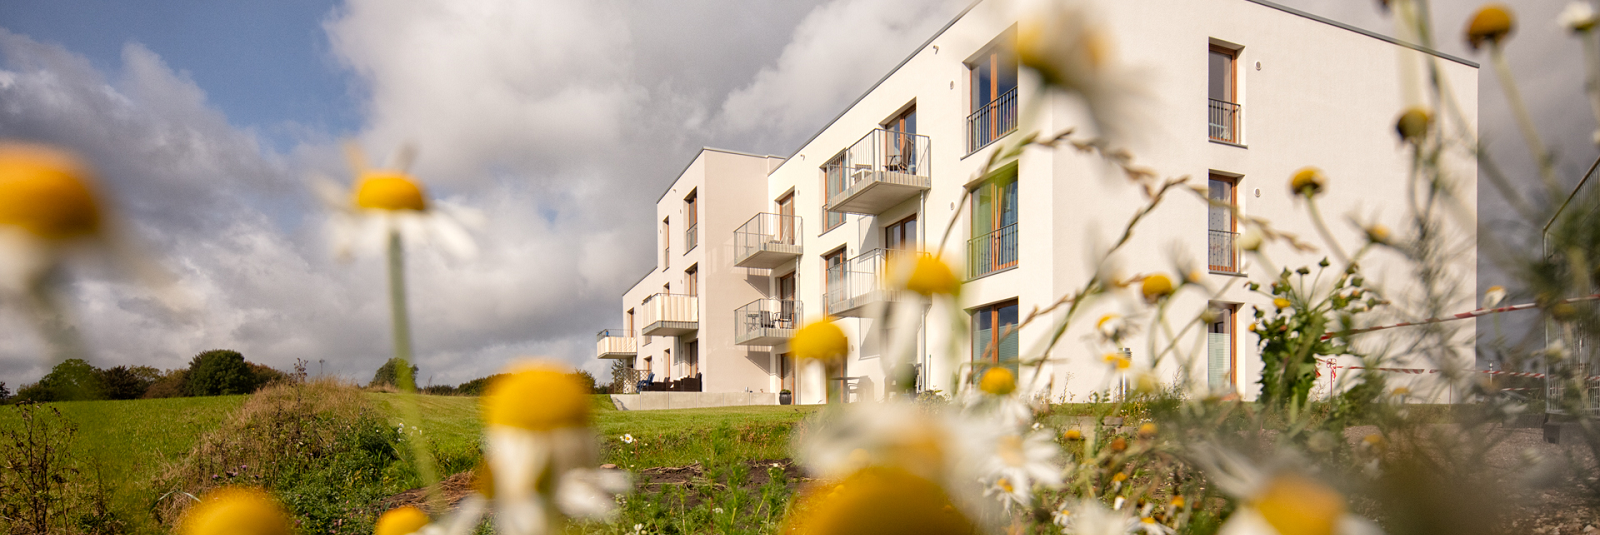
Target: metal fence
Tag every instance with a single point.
(767, 232)
(993, 120)
(770, 319)
(691, 238)
(992, 252)
(1224, 121)
(1222, 255)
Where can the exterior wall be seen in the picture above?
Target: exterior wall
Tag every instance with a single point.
(1322, 96)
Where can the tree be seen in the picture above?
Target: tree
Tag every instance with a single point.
(122, 382)
(220, 372)
(266, 375)
(72, 379)
(5, 394)
(389, 374)
(169, 384)
(587, 379)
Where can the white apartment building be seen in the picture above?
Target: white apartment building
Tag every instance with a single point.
(1238, 95)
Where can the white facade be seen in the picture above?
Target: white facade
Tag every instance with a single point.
(1308, 93)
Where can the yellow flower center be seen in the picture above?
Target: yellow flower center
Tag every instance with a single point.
(537, 398)
(998, 381)
(1005, 485)
(932, 276)
(820, 340)
(1298, 505)
(1147, 430)
(1177, 501)
(401, 521)
(1402, 391)
(1413, 125)
(1491, 23)
(236, 511)
(45, 192)
(1307, 181)
(1378, 233)
(1104, 320)
(878, 500)
(1010, 450)
(1119, 444)
(1073, 434)
(1124, 363)
(1156, 287)
(1281, 302)
(1119, 477)
(390, 190)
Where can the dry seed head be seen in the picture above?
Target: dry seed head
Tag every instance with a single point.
(390, 190)
(1492, 23)
(45, 191)
(1307, 181)
(1413, 125)
(539, 397)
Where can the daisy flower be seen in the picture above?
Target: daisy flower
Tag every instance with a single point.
(388, 204)
(1277, 499)
(1148, 526)
(540, 451)
(236, 511)
(1016, 463)
(1073, 53)
(1578, 17)
(1088, 517)
(878, 501)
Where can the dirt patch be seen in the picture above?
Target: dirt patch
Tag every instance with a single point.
(455, 488)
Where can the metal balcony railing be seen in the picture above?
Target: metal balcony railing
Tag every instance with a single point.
(1223, 121)
(860, 281)
(766, 241)
(992, 121)
(670, 314)
(615, 344)
(766, 322)
(881, 170)
(691, 238)
(992, 252)
(1221, 252)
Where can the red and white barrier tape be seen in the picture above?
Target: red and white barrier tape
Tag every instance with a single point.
(1464, 315)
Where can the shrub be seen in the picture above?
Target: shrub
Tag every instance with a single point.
(389, 374)
(5, 394)
(169, 385)
(266, 375)
(587, 379)
(34, 492)
(219, 372)
(475, 387)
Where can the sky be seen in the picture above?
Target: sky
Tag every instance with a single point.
(558, 122)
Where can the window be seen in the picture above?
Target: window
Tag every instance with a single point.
(1220, 344)
(627, 322)
(901, 235)
(786, 218)
(832, 184)
(691, 280)
(994, 225)
(834, 264)
(1223, 94)
(786, 373)
(994, 338)
(994, 95)
(786, 287)
(691, 359)
(1221, 254)
(900, 142)
(666, 244)
(691, 212)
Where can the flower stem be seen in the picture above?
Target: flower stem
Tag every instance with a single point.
(1520, 111)
(410, 407)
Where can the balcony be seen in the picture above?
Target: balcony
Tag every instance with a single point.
(1221, 252)
(882, 170)
(615, 344)
(992, 121)
(670, 315)
(992, 252)
(766, 322)
(856, 285)
(767, 241)
(1223, 123)
(691, 238)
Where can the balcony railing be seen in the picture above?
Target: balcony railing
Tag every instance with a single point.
(1221, 252)
(766, 322)
(855, 285)
(691, 238)
(615, 344)
(670, 315)
(992, 121)
(766, 241)
(992, 252)
(1224, 121)
(881, 170)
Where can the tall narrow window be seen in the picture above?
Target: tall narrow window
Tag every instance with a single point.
(786, 372)
(786, 287)
(1223, 94)
(1221, 253)
(901, 235)
(691, 213)
(786, 219)
(1220, 344)
(627, 322)
(994, 225)
(833, 263)
(994, 96)
(994, 337)
(666, 243)
(900, 143)
(832, 185)
(691, 359)
(691, 280)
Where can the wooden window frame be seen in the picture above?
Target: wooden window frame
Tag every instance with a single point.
(993, 310)
(836, 162)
